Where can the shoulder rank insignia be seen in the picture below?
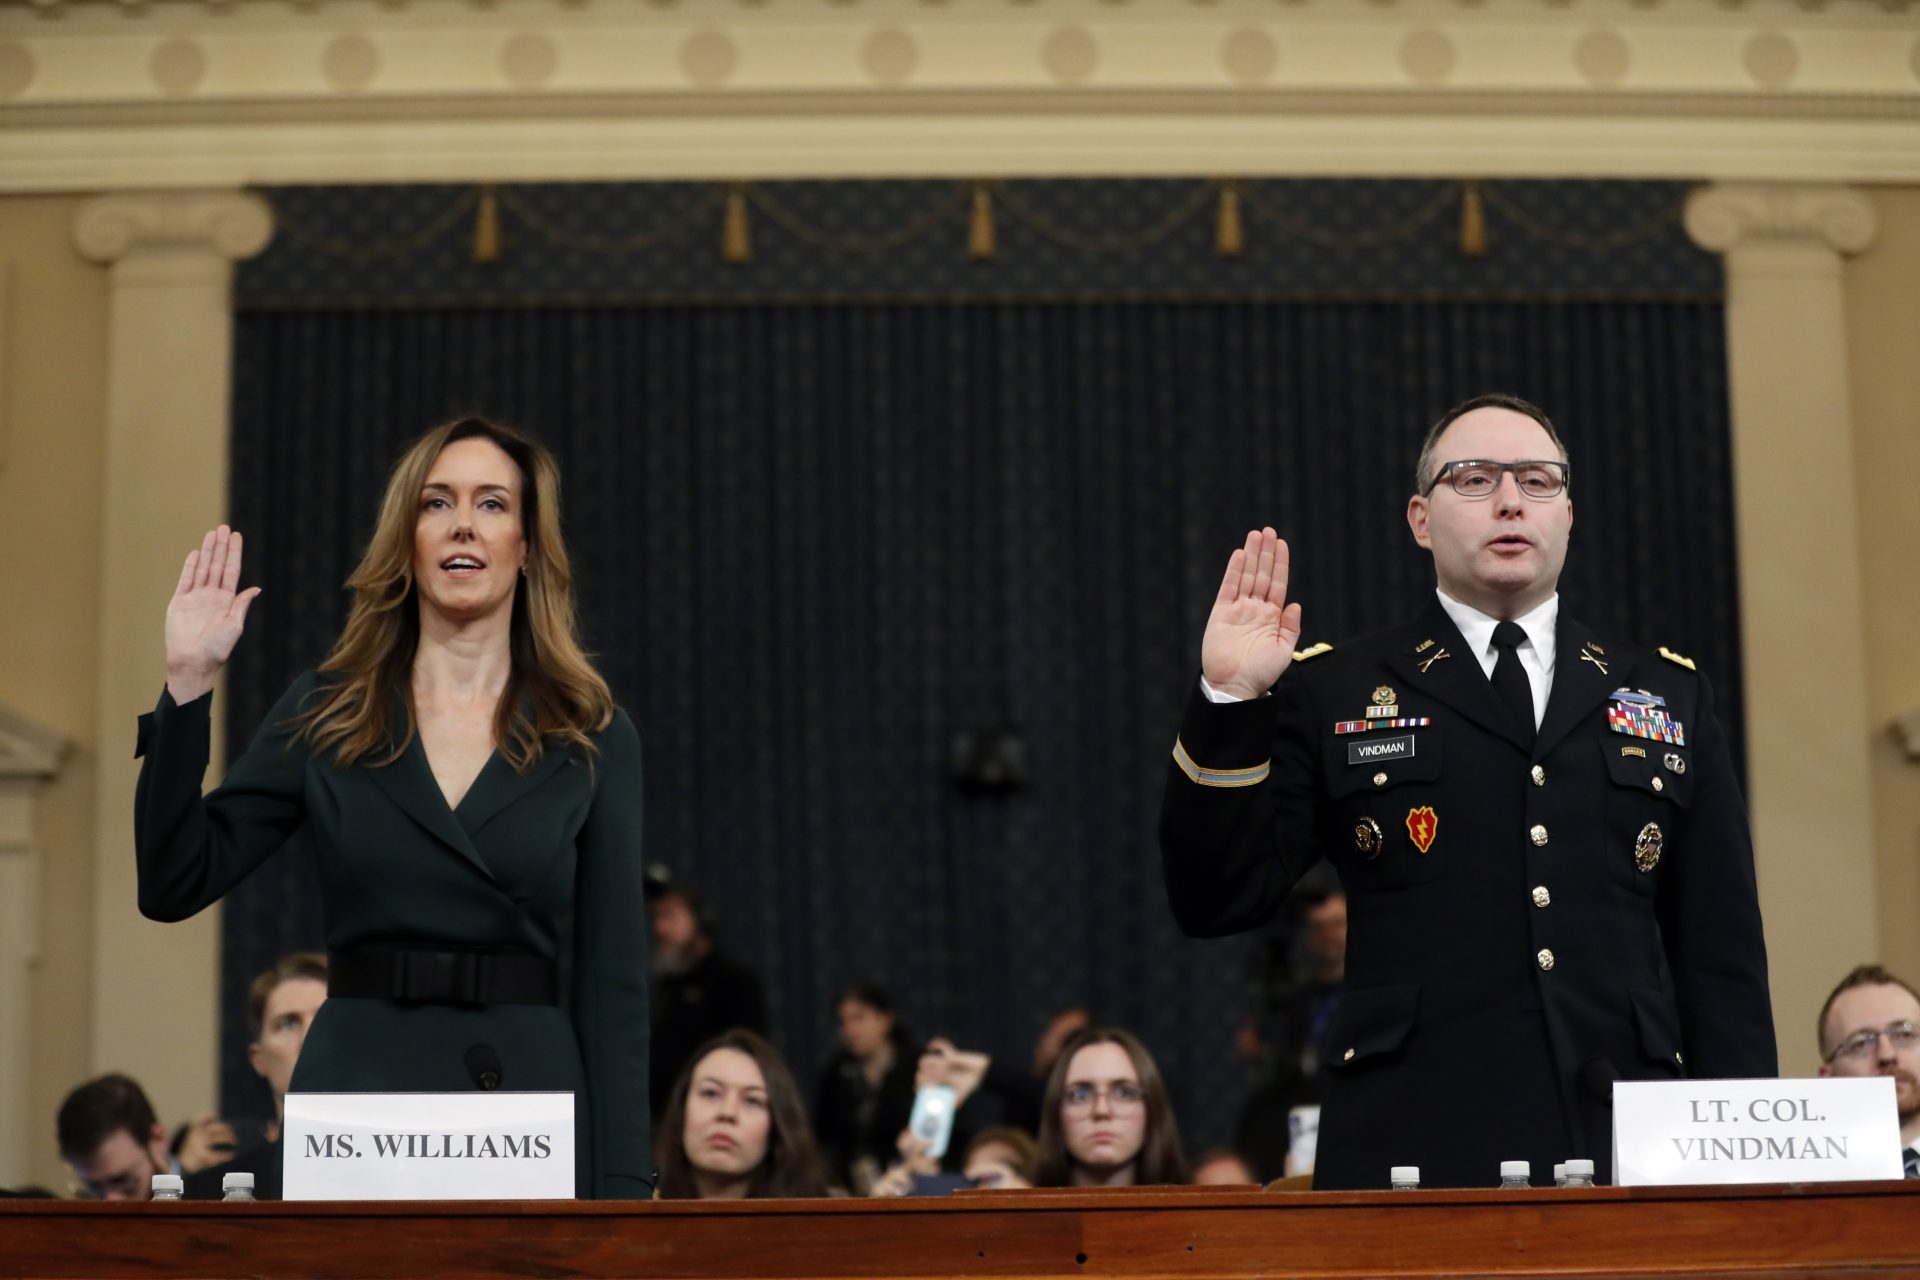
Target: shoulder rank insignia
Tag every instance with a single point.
(1301, 655)
(1682, 659)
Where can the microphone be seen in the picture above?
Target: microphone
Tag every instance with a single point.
(483, 1065)
(1597, 1077)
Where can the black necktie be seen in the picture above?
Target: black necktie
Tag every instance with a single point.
(1912, 1161)
(1510, 678)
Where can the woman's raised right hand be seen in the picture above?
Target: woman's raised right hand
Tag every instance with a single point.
(206, 615)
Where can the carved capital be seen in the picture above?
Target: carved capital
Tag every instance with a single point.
(232, 224)
(1727, 215)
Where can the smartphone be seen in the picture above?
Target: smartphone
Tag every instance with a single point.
(932, 1118)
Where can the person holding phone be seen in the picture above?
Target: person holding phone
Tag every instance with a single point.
(1106, 1119)
(735, 1128)
(866, 1091)
(469, 783)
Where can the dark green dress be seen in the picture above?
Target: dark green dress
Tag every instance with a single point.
(398, 868)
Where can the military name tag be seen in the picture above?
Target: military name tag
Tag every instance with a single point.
(1373, 749)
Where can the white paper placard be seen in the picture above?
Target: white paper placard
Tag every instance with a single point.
(429, 1146)
(1714, 1132)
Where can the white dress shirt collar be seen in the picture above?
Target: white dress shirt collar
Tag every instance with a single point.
(1536, 655)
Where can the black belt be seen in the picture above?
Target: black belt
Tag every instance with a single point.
(442, 977)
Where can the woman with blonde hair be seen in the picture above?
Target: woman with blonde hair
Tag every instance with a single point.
(469, 782)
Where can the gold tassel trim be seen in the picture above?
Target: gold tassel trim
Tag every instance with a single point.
(486, 227)
(736, 239)
(1473, 222)
(980, 246)
(1229, 233)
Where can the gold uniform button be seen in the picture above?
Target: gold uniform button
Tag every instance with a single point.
(1380, 779)
(1347, 1056)
(1541, 897)
(1539, 776)
(1545, 958)
(1539, 834)
(1658, 785)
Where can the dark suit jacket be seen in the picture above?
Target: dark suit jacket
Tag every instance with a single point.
(399, 868)
(1500, 979)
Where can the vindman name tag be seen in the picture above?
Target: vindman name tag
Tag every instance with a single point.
(1714, 1132)
(429, 1146)
(1371, 750)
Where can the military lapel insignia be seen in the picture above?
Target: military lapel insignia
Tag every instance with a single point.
(1429, 661)
(1675, 762)
(1647, 847)
(1587, 655)
(1423, 646)
(1642, 715)
(1422, 826)
(1367, 838)
(1682, 659)
(1301, 655)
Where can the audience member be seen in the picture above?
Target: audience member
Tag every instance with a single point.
(1223, 1167)
(1299, 997)
(990, 1093)
(1001, 1159)
(1868, 1028)
(280, 1008)
(111, 1139)
(735, 1128)
(699, 990)
(866, 1089)
(1105, 1119)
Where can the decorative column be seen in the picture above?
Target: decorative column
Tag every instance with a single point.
(170, 340)
(29, 756)
(1800, 595)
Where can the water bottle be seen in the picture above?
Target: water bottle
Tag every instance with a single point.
(1560, 1175)
(1404, 1177)
(236, 1186)
(1579, 1173)
(1515, 1174)
(169, 1186)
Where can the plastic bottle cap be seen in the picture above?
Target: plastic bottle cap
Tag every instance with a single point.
(169, 1182)
(1580, 1168)
(236, 1181)
(1404, 1173)
(1515, 1168)
(1560, 1171)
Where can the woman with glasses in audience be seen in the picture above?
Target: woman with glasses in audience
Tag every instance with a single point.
(735, 1128)
(1105, 1120)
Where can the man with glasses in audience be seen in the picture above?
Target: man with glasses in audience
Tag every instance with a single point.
(1546, 857)
(1868, 1028)
(111, 1139)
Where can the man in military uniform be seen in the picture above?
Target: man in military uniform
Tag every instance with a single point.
(1546, 855)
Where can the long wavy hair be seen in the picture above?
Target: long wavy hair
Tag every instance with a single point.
(791, 1166)
(552, 688)
(1160, 1161)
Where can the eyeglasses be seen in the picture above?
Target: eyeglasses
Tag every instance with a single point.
(1478, 478)
(1123, 1095)
(1900, 1035)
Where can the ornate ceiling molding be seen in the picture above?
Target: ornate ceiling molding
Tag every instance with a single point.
(115, 93)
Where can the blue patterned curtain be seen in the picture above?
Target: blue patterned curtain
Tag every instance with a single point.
(816, 542)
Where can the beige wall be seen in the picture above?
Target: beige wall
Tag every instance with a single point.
(50, 531)
(1883, 330)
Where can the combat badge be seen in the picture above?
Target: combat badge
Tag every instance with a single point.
(1367, 838)
(1647, 847)
(1422, 826)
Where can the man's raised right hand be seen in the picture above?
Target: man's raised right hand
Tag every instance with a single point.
(1252, 629)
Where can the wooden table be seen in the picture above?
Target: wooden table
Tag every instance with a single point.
(1853, 1229)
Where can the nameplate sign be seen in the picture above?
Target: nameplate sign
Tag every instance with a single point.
(429, 1146)
(1714, 1132)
